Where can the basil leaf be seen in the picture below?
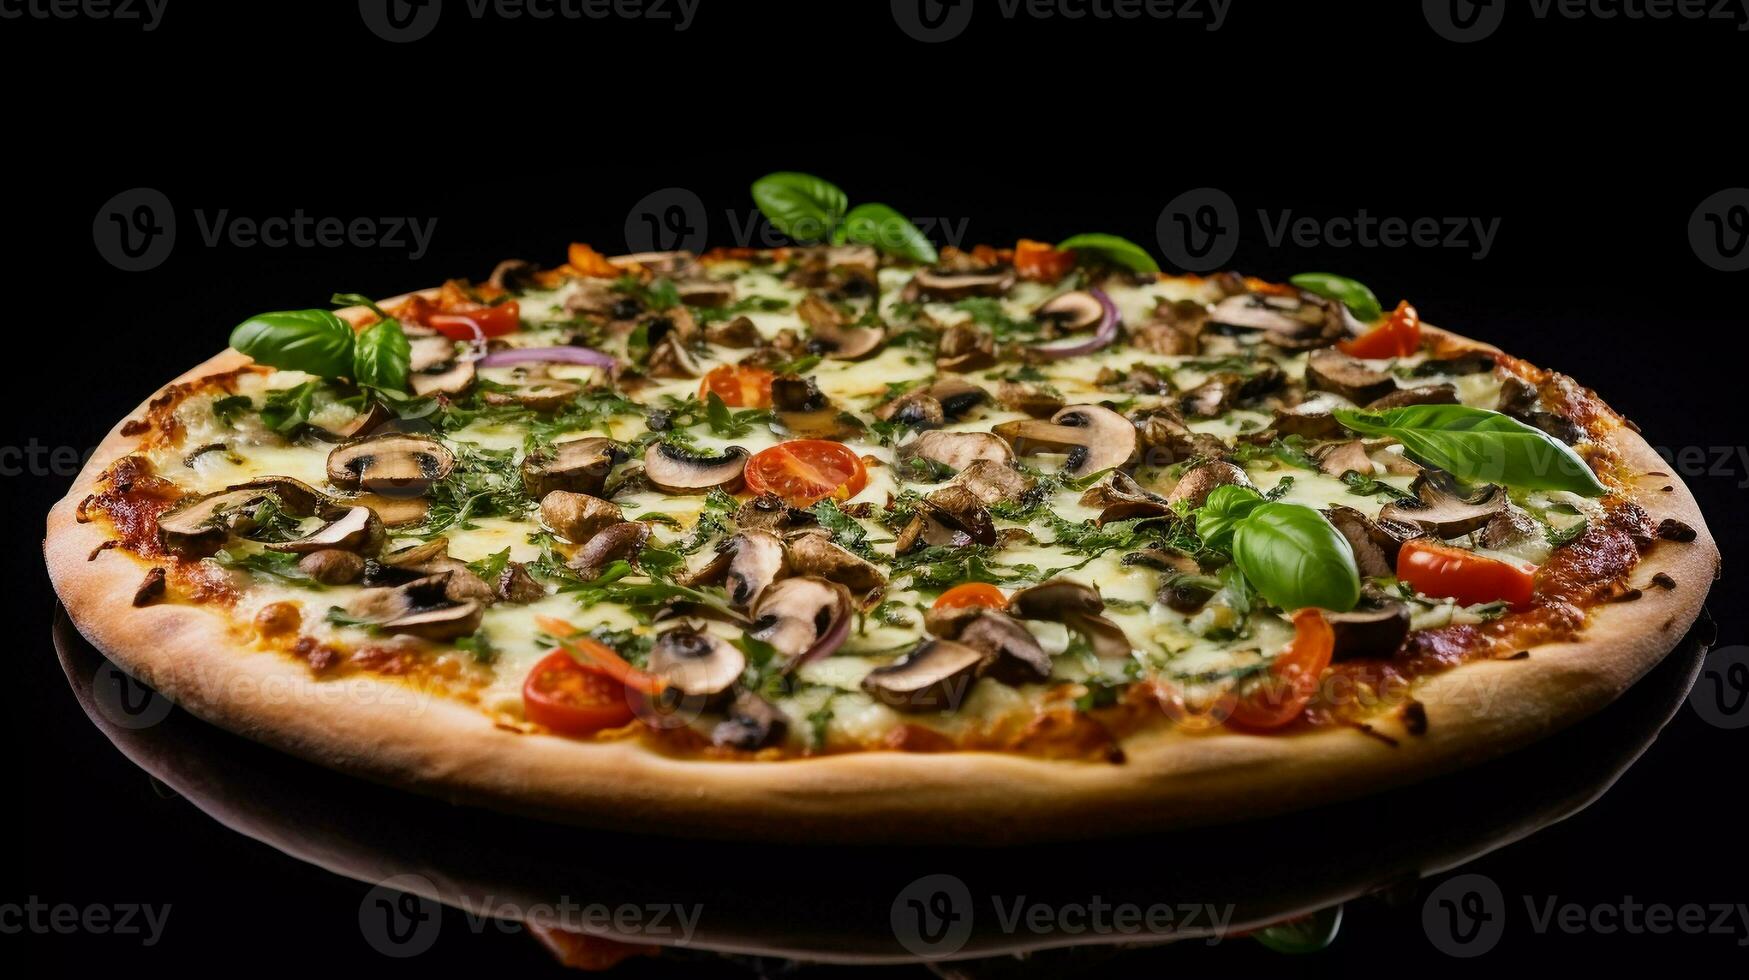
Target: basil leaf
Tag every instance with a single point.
(1479, 446)
(1221, 513)
(286, 409)
(381, 356)
(358, 299)
(887, 230)
(1118, 251)
(1293, 557)
(802, 206)
(1359, 299)
(314, 341)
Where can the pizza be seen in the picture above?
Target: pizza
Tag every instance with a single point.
(847, 541)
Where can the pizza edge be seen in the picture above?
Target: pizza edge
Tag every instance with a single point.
(1171, 779)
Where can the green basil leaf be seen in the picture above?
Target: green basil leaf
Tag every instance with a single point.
(1293, 557)
(314, 341)
(1221, 513)
(1479, 446)
(802, 206)
(889, 231)
(358, 299)
(286, 409)
(381, 356)
(1118, 251)
(1359, 299)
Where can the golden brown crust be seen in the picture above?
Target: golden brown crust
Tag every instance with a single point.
(381, 729)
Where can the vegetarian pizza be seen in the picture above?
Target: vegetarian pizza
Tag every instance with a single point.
(862, 540)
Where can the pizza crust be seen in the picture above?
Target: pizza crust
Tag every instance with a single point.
(383, 730)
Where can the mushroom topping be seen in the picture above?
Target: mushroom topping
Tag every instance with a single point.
(768, 511)
(949, 515)
(958, 450)
(965, 347)
(752, 723)
(671, 358)
(1293, 322)
(197, 527)
(705, 292)
(846, 343)
(1092, 438)
(935, 676)
(1375, 543)
(1209, 399)
(1075, 606)
(428, 350)
(618, 541)
(737, 333)
(746, 565)
(951, 284)
(396, 464)
(512, 274)
(1311, 420)
(296, 496)
(1196, 484)
(805, 618)
(1187, 592)
(452, 380)
(1169, 440)
(921, 408)
(362, 424)
(432, 558)
(580, 466)
(395, 511)
(696, 664)
(1467, 362)
(812, 552)
(790, 393)
(1021, 396)
(1071, 312)
(674, 471)
(543, 396)
(1442, 512)
(1018, 658)
(1440, 394)
(332, 567)
(1510, 528)
(358, 530)
(1344, 457)
(420, 608)
(1334, 371)
(1376, 627)
(1121, 498)
(516, 585)
(990, 481)
(578, 516)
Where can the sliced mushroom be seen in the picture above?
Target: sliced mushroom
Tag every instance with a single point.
(1442, 513)
(752, 723)
(396, 464)
(965, 347)
(580, 466)
(1169, 440)
(1194, 487)
(745, 564)
(332, 567)
(610, 544)
(935, 676)
(812, 552)
(769, 511)
(362, 424)
(358, 529)
(432, 558)
(1375, 543)
(452, 380)
(957, 396)
(1211, 398)
(1071, 312)
(1376, 627)
(1187, 592)
(1093, 438)
(1021, 396)
(846, 343)
(577, 517)
(696, 664)
(516, 585)
(199, 526)
(1017, 656)
(991, 481)
(1075, 606)
(1439, 394)
(958, 450)
(705, 292)
(1510, 528)
(738, 333)
(296, 497)
(951, 284)
(949, 515)
(542, 396)
(1464, 362)
(1338, 458)
(804, 618)
(428, 350)
(420, 608)
(670, 357)
(512, 274)
(394, 511)
(1334, 371)
(1291, 322)
(1310, 420)
(674, 471)
(1120, 498)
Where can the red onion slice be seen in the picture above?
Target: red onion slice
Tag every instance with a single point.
(835, 635)
(1102, 337)
(548, 355)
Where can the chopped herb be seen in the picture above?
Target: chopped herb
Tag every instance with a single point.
(228, 408)
(480, 645)
(1366, 486)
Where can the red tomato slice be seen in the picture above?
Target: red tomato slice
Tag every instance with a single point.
(1398, 336)
(738, 386)
(573, 699)
(1279, 696)
(806, 471)
(971, 594)
(492, 321)
(599, 656)
(1453, 573)
(1040, 262)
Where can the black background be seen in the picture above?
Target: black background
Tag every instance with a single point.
(1592, 141)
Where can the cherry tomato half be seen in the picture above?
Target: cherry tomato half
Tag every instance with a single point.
(1040, 262)
(1280, 695)
(1453, 573)
(806, 471)
(739, 386)
(971, 594)
(492, 321)
(599, 656)
(1398, 336)
(573, 699)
